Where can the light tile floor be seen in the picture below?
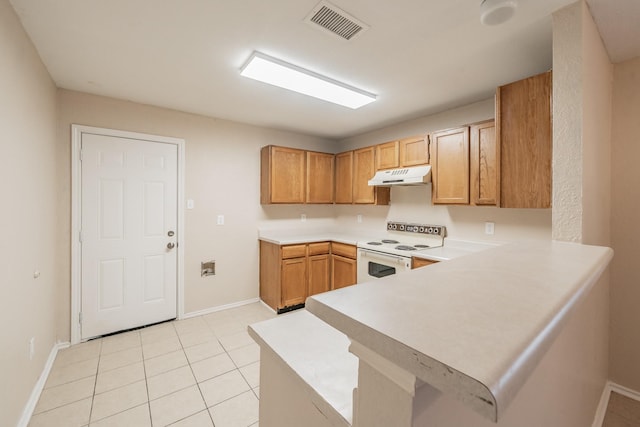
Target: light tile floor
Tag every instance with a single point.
(202, 371)
(622, 411)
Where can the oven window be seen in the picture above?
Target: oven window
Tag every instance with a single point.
(380, 270)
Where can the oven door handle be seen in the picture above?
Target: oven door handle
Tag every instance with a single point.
(382, 257)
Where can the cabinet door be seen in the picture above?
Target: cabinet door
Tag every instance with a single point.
(319, 274)
(282, 175)
(523, 129)
(343, 271)
(320, 176)
(420, 262)
(414, 151)
(388, 155)
(450, 166)
(363, 170)
(294, 282)
(344, 177)
(484, 164)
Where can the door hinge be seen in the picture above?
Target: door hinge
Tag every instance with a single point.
(80, 236)
(81, 154)
(80, 317)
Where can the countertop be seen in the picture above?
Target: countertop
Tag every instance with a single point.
(475, 326)
(452, 248)
(292, 237)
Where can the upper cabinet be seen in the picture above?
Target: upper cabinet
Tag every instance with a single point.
(450, 166)
(282, 175)
(387, 155)
(523, 133)
(483, 164)
(414, 151)
(364, 167)
(320, 176)
(344, 178)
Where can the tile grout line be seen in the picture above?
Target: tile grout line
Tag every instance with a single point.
(146, 382)
(206, 408)
(95, 383)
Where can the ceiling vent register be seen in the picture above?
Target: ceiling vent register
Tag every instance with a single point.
(336, 21)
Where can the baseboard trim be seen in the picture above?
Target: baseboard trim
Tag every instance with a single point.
(604, 400)
(39, 386)
(219, 308)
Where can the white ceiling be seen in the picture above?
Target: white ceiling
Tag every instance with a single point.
(419, 56)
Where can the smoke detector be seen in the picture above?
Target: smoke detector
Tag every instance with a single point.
(496, 12)
(336, 21)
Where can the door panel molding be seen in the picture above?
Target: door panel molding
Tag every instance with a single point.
(76, 220)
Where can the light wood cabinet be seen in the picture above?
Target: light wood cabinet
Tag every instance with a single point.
(364, 167)
(282, 175)
(450, 166)
(319, 274)
(523, 133)
(483, 164)
(414, 151)
(421, 262)
(343, 265)
(344, 178)
(320, 175)
(294, 281)
(319, 265)
(291, 273)
(388, 155)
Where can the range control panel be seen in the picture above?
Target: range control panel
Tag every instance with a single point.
(434, 230)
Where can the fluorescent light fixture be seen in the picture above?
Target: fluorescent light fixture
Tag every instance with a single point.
(282, 74)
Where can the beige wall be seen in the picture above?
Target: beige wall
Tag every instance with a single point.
(28, 215)
(582, 75)
(414, 203)
(581, 165)
(222, 177)
(625, 229)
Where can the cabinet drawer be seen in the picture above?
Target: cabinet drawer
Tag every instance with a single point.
(294, 251)
(342, 249)
(318, 248)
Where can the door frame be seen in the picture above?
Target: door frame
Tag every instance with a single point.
(76, 216)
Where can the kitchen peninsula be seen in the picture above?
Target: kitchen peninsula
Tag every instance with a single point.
(464, 342)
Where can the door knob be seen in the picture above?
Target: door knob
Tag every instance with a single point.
(170, 245)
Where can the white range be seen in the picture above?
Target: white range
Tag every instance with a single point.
(391, 254)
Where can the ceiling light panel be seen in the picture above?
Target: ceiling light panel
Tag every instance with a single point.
(279, 73)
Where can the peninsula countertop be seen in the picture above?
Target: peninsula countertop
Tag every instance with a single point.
(475, 326)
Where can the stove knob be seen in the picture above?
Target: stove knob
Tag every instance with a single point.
(430, 230)
(422, 229)
(436, 230)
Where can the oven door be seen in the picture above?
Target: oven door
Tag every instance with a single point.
(376, 265)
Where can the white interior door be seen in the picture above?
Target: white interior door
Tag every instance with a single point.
(128, 233)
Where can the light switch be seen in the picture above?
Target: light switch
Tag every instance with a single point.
(220, 220)
(190, 204)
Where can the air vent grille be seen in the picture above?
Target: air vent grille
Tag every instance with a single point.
(336, 21)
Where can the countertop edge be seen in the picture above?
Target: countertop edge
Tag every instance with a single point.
(490, 400)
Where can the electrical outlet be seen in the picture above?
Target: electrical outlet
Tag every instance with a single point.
(220, 220)
(303, 217)
(32, 347)
(489, 227)
(359, 218)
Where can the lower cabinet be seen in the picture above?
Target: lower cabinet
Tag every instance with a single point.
(420, 262)
(343, 265)
(291, 273)
(319, 267)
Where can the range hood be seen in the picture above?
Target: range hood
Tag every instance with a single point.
(416, 175)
